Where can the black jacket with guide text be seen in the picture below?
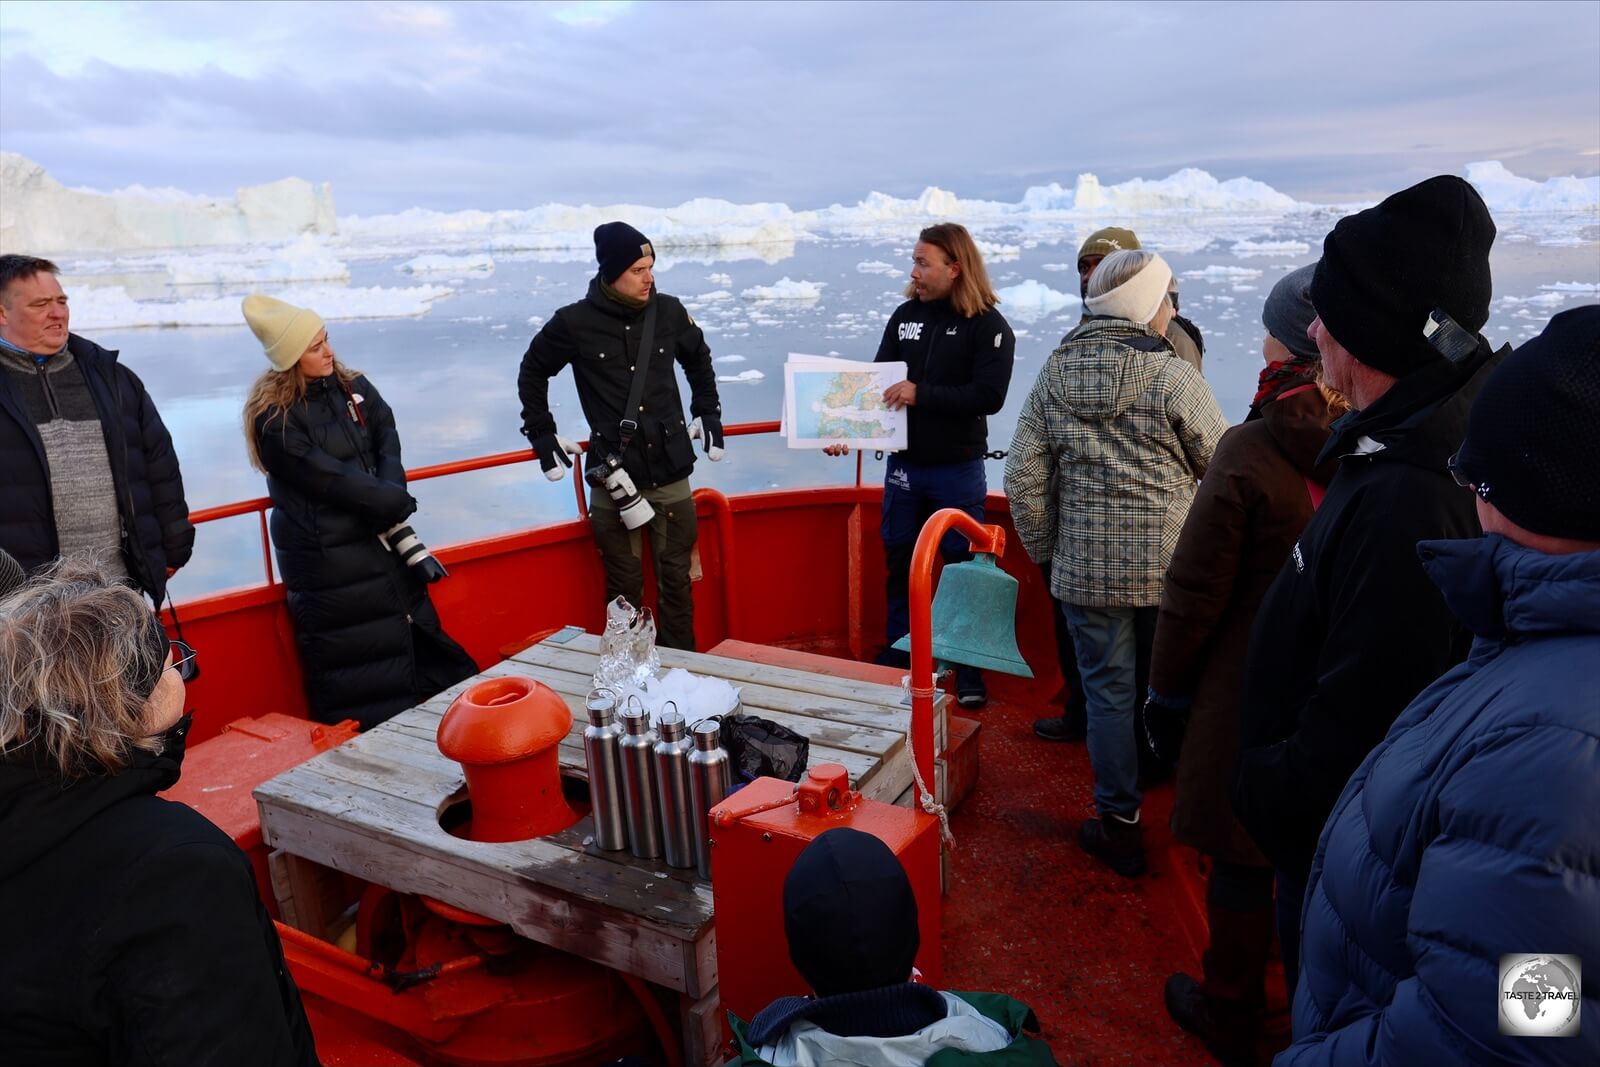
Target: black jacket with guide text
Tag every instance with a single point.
(600, 339)
(961, 368)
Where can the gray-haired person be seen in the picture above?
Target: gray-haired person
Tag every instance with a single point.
(1107, 451)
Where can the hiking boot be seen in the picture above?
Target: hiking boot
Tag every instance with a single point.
(971, 693)
(1063, 727)
(1114, 842)
(1228, 1029)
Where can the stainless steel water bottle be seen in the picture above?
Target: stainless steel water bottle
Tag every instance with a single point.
(710, 778)
(672, 790)
(602, 751)
(639, 783)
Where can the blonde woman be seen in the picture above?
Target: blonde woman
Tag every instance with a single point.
(370, 642)
(130, 928)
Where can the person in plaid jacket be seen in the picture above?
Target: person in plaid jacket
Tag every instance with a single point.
(1109, 446)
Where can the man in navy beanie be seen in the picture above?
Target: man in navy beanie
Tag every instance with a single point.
(851, 921)
(1454, 895)
(622, 339)
(1351, 630)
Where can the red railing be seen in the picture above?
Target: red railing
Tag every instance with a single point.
(719, 503)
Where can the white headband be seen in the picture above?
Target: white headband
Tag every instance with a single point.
(1137, 299)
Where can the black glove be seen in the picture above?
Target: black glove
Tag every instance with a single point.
(709, 429)
(555, 454)
(1165, 720)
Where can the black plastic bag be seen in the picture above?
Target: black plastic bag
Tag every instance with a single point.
(760, 748)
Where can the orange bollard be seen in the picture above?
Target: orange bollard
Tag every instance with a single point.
(505, 733)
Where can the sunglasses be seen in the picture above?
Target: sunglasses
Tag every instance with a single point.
(184, 661)
(1453, 465)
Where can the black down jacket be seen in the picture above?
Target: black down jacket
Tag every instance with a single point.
(131, 932)
(370, 641)
(156, 533)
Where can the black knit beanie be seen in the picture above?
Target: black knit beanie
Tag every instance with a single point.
(619, 246)
(1384, 269)
(849, 914)
(1533, 438)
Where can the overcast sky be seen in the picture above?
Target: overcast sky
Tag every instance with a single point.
(455, 105)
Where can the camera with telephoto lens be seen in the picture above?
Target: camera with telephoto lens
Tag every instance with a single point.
(605, 472)
(405, 543)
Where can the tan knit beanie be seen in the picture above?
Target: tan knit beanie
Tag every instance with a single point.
(285, 331)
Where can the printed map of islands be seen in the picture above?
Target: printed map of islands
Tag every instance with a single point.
(845, 407)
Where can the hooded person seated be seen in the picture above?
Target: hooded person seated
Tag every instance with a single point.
(851, 921)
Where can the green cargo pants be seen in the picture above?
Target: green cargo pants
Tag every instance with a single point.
(672, 538)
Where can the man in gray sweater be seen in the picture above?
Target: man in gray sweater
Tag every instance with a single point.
(86, 465)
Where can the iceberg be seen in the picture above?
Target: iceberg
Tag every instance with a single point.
(785, 288)
(1504, 191)
(39, 214)
(1032, 299)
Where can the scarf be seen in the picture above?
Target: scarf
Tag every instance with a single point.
(1279, 376)
(616, 297)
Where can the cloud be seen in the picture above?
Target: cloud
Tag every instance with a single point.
(501, 105)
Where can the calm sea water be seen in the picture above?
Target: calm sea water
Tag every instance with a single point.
(450, 375)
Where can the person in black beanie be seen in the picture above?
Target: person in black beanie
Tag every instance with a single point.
(601, 337)
(1351, 629)
(851, 921)
(1468, 836)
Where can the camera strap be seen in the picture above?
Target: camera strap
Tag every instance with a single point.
(641, 366)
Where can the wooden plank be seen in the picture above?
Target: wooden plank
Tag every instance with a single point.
(412, 825)
(746, 670)
(310, 896)
(704, 1036)
(601, 934)
(862, 749)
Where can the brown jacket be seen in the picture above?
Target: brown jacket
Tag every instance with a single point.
(1248, 511)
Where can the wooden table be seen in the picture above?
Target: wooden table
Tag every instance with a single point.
(371, 808)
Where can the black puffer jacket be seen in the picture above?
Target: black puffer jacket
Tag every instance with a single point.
(156, 532)
(961, 368)
(131, 932)
(336, 481)
(1352, 628)
(600, 338)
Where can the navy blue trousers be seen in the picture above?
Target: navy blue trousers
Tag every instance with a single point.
(912, 492)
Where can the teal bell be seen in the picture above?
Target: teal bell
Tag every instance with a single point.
(975, 618)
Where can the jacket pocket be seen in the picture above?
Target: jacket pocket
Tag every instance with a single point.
(675, 444)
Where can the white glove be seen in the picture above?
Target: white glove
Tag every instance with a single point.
(554, 455)
(712, 438)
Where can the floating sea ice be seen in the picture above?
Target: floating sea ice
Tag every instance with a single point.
(437, 264)
(1244, 288)
(305, 259)
(992, 250)
(1571, 287)
(877, 266)
(720, 279)
(107, 307)
(742, 376)
(1270, 248)
(1060, 266)
(1218, 273)
(734, 358)
(785, 288)
(1030, 299)
(712, 297)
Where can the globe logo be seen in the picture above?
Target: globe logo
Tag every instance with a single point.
(1540, 996)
